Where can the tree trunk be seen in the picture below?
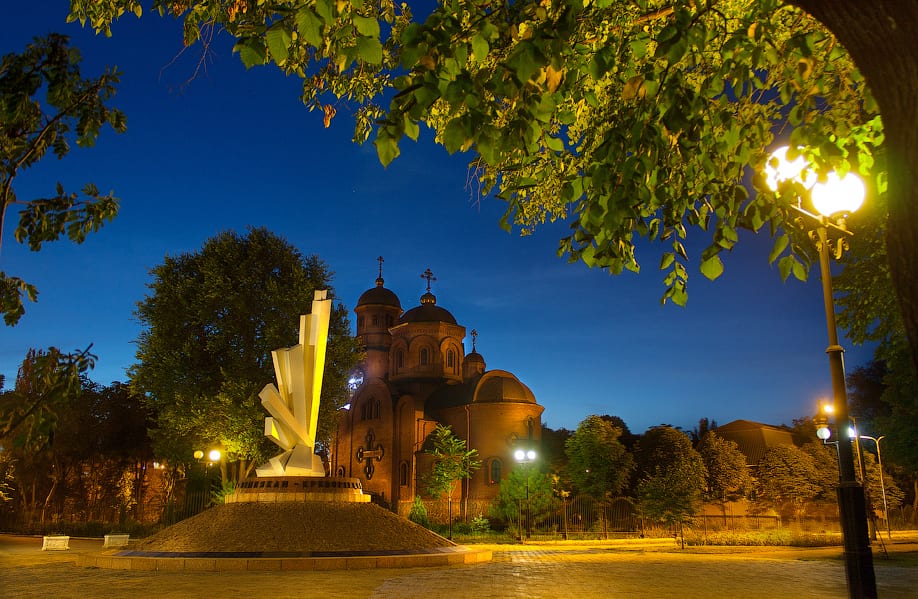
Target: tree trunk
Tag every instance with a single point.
(880, 36)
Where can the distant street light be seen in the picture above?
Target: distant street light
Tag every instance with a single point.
(834, 198)
(526, 457)
(882, 484)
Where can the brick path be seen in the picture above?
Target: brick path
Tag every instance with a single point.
(580, 571)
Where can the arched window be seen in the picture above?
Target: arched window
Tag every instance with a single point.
(450, 359)
(399, 359)
(375, 409)
(494, 472)
(375, 320)
(425, 356)
(403, 474)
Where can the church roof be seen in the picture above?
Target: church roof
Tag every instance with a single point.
(495, 386)
(428, 311)
(379, 296)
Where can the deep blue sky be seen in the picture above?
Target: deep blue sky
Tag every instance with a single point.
(233, 148)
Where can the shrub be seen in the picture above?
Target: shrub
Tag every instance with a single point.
(418, 513)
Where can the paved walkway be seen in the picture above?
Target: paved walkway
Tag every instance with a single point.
(580, 570)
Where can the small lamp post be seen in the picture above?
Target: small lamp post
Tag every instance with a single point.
(526, 456)
(877, 440)
(834, 199)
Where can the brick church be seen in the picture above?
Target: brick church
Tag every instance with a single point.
(416, 375)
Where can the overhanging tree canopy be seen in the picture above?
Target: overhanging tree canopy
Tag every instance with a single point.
(631, 119)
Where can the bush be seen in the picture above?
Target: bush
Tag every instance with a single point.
(781, 537)
(418, 513)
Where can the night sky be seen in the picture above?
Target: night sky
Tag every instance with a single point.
(230, 148)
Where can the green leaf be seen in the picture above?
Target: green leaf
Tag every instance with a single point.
(309, 25)
(367, 26)
(785, 266)
(480, 48)
(712, 267)
(411, 128)
(326, 10)
(278, 41)
(386, 147)
(369, 50)
(454, 135)
(251, 51)
(778, 248)
(667, 260)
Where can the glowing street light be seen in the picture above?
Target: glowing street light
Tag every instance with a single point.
(526, 456)
(835, 197)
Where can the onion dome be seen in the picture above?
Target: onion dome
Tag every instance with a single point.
(428, 311)
(379, 295)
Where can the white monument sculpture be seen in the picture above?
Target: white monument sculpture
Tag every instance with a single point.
(294, 403)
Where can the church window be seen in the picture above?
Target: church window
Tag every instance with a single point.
(403, 474)
(375, 320)
(425, 356)
(451, 360)
(494, 472)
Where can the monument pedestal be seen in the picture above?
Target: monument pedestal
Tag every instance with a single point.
(279, 489)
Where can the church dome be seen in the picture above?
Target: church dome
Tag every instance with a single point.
(428, 311)
(499, 386)
(474, 358)
(379, 296)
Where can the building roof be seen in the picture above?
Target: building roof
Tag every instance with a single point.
(755, 438)
(428, 311)
(379, 296)
(495, 386)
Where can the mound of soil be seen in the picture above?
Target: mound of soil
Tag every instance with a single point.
(294, 527)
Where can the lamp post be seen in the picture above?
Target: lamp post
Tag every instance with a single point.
(835, 197)
(877, 440)
(526, 457)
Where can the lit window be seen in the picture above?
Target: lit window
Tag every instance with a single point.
(450, 359)
(403, 474)
(424, 357)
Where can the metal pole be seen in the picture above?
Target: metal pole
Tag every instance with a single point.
(882, 484)
(851, 503)
(528, 511)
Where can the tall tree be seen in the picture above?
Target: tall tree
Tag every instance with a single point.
(45, 104)
(598, 464)
(726, 473)
(786, 479)
(210, 323)
(452, 462)
(670, 476)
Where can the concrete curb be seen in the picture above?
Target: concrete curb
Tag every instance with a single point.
(459, 556)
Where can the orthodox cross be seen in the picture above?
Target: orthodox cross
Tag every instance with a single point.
(380, 260)
(474, 338)
(370, 454)
(429, 276)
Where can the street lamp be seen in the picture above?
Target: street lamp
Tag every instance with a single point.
(526, 457)
(882, 484)
(835, 197)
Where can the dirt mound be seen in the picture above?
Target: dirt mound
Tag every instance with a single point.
(294, 527)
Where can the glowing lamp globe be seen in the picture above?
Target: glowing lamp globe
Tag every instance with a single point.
(838, 194)
(214, 455)
(198, 454)
(530, 455)
(823, 433)
(519, 455)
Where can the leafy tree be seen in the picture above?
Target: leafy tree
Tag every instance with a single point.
(44, 105)
(786, 479)
(726, 473)
(671, 476)
(598, 464)
(46, 381)
(210, 322)
(511, 498)
(632, 119)
(452, 461)
(825, 463)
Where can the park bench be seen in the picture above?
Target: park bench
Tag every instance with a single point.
(55, 543)
(116, 540)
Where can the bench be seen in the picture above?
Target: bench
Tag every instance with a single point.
(116, 540)
(55, 543)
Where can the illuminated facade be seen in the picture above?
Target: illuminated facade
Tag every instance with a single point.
(416, 375)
